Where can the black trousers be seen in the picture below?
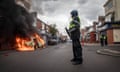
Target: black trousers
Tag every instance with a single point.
(77, 49)
(102, 42)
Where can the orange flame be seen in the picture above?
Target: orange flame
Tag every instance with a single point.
(29, 44)
(39, 39)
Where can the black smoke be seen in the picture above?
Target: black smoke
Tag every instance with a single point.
(14, 21)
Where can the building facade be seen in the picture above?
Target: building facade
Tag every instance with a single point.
(43, 30)
(112, 10)
(111, 27)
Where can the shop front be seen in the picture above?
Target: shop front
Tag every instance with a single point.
(112, 31)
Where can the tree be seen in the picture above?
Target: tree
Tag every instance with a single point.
(53, 29)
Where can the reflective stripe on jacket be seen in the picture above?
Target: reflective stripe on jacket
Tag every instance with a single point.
(74, 23)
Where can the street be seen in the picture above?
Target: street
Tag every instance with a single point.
(57, 59)
(37, 35)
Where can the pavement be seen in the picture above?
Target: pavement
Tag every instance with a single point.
(111, 49)
(109, 52)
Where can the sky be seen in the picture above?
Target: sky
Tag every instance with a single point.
(58, 11)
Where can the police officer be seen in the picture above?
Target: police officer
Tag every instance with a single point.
(74, 29)
(102, 40)
(105, 40)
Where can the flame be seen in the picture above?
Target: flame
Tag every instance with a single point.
(22, 44)
(39, 39)
(29, 44)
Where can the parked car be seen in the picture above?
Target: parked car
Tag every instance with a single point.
(53, 40)
(69, 40)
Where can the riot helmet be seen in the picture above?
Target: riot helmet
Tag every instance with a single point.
(74, 13)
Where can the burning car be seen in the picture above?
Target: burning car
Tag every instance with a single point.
(17, 30)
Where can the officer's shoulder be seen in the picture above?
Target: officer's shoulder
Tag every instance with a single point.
(76, 17)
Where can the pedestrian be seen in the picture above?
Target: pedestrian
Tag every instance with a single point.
(74, 30)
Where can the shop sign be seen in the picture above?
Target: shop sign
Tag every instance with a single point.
(115, 25)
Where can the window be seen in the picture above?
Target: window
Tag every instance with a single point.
(110, 5)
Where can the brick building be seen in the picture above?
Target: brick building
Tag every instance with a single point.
(111, 26)
(89, 34)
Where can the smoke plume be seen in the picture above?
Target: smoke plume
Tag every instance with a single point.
(14, 21)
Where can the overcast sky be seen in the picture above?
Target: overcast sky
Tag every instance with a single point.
(58, 11)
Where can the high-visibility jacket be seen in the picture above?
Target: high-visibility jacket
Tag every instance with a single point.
(103, 37)
(74, 28)
(74, 23)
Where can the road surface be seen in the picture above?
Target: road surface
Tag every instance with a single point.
(57, 59)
